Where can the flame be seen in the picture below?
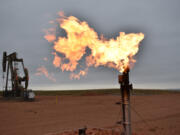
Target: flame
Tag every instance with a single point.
(50, 34)
(114, 53)
(81, 73)
(43, 71)
(57, 60)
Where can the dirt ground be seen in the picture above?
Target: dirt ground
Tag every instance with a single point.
(47, 115)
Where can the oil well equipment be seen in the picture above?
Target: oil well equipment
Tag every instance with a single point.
(15, 85)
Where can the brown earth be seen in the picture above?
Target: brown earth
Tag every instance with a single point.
(151, 114)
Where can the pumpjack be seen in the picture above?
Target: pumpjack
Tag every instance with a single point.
(18, 85)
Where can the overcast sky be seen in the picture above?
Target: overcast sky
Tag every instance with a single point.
(158, 62)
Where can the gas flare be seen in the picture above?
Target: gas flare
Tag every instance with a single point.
(50, 34)
(43, 71)
(115, 53)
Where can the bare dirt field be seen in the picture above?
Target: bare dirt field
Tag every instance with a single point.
(151, 114)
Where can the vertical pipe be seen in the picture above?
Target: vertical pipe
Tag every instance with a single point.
(125, 93)
(7, 78)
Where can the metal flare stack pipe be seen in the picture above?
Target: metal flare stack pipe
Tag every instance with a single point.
(125, 93)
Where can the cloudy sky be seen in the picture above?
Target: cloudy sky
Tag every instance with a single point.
(158, 61)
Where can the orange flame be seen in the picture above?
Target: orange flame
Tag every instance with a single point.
(50, 35)
(43, 71)
(81, 73)
(114, 53)
(57, 60)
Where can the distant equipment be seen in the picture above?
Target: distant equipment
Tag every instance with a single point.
(15, 85)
